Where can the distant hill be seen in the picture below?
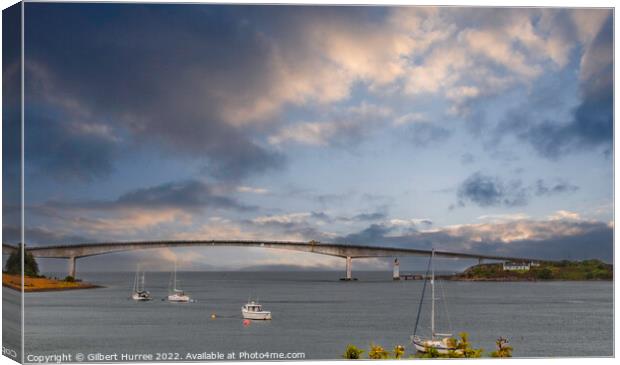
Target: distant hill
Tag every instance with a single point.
(564, 270)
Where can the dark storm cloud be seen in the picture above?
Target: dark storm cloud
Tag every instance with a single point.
(57, 149)
(189, 195)
(592, 120)
(163, 75)
(542, 188)
(589, 240)
(370, 216)
(486, 190)
(37, 235)
(374, 234)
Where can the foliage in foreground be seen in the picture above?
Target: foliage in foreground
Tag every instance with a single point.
(463, 349)
(503, 350)
(462, 345)
(352, 352)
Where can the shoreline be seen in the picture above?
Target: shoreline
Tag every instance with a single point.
(34, 285)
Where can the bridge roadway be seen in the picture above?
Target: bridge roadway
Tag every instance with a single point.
(349, 252)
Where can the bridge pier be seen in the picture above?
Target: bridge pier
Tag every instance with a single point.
(396, 270)
(480, 260)
(72, 266)
(349, 275)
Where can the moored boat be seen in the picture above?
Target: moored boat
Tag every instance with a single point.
(254, 310)
(139, 293)
(443, 343)
(176, 295)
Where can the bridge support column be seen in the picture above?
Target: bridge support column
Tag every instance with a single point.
(396, 270)
(480, 260)
(72, 266)
(349, 267)
(349, 275)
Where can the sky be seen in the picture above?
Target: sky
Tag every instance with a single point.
(483, 130)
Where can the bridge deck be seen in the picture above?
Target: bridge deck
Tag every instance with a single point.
(331, 249)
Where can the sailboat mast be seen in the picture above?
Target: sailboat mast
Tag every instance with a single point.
(432, 295)
(175, 277)
(135, 282)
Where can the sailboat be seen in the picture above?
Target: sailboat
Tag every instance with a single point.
(442, 342)
(139, 293)
(176, 295)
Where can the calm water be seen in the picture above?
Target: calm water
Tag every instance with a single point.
(315, 313)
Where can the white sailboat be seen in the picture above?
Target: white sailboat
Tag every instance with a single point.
(438, 341)
(139, 292)
(176, 295)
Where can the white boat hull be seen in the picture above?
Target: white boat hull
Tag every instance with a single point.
(178, 298)
(140, 297)
(424, 345)
(261, 316)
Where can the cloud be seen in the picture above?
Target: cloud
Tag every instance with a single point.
(541, 188)
(369, 216)
(253, 190)
(467, 158)
(343, 127)
(141, 211)
(564, 214)
(589, 124)
(554, 238)
(423, 134)
(170, 78)
(486, 190)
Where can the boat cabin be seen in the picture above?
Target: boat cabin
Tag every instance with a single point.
(253, 307)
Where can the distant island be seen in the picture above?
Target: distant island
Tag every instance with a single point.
(531, 271)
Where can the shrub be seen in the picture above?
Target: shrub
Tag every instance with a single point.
(503, 350)
(352, 352)
(544, 274)
(399, 351)
(377, 352)
(69, 278)
(465, 347)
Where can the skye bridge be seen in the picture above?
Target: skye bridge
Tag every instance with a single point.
(346, 251)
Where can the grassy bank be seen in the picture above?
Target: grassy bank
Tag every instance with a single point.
(38, 284)
(563, 270)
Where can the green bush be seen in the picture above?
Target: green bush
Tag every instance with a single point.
(377, 352)
(503, 350)
(399, 351)
(69, 278)
(544, 274)
(352, 352)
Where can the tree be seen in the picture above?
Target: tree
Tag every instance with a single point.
(14, 263)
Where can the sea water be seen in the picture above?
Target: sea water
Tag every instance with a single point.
(315, 314)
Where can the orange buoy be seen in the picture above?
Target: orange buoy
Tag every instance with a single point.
(246, 322)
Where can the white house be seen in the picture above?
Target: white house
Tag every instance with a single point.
(516, 266)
